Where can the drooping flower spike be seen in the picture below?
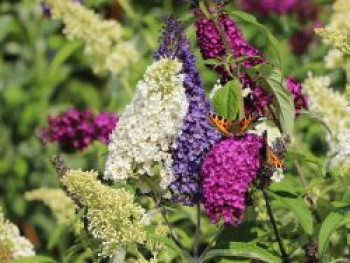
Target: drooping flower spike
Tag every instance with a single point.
(12, 244)
(212, 46)
(227, 173)
(300, 99)
(197, 134)
(140, 148)
(75, 130)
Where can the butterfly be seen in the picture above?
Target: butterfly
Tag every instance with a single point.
(273, 159)
(232, 128)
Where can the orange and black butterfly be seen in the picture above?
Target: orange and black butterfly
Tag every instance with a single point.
(273, 159)
(232, 128)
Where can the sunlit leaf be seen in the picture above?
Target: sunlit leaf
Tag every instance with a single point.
(299, 208)
(271, 79)
(329, 225)
(242, 250)
(228, 101)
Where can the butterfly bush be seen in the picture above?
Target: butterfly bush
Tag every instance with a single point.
(331, 106)
(212, 47)
(59, 203)
(114, 219)
(334, 109)
(12, 244)
(336, 32)
(197, 135)
(104, 124)
(227, 173)
(300, 99)
(75, 129)
(103, 39)
(141, 145)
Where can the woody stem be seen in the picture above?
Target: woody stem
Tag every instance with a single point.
(275, 229)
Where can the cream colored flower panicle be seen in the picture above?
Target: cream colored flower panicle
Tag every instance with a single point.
(334, 59)
(340, 156)
(331, 106)
(114, 219)
(141, 144)
(12, 244)
(60, 204)
(337, 32)
(336, 38)
(102, 38)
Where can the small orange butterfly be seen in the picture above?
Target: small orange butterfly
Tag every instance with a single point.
(222, 124)
(232, 128)
(273, 159)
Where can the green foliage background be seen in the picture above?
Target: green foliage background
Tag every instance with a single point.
(41, 73)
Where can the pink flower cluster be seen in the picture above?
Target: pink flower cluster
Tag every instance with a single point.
(212, 47)
(76, 129)
(300, 99)
(227, 173)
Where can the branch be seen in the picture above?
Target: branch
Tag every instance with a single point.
(285, 256)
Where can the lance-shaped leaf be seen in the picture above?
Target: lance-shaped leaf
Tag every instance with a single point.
(270, 79)
(248, 18)
(242, 250)
(299, 208)
(329, 225)
(228, 101)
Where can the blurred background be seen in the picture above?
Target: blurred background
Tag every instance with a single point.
(42, 74)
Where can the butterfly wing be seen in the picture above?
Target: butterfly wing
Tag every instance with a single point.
(243, 125)
(273, 159)
(222, 124)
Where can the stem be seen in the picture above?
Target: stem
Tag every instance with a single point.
(300, 173)
(212, 242)
(308, 196)
(173, 235)
(285, 256)
(198, 232)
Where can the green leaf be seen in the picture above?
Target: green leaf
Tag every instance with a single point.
(271, 79)
(299, 208)
(317, 119)
(56, 236)
(35, 259)
(228, 101)
(204, 10)
(248, 18)
(151, 235)
(62, 55)
(244, 250)
(329, 225)
(304, 157)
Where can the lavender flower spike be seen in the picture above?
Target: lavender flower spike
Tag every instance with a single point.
(198, 135)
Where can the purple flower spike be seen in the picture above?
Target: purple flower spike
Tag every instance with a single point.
(105, 123)
(227, 173)
(73, 130)
(212, 47)
(198, 135)
(300, 100)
